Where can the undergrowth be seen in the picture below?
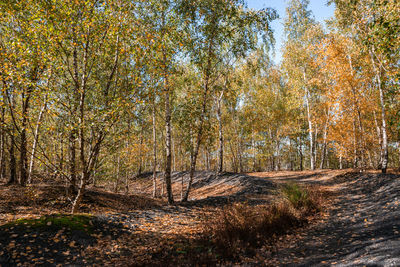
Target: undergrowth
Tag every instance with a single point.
(240, 227)
(305, 198)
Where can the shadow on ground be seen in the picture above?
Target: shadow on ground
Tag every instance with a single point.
(362, 228)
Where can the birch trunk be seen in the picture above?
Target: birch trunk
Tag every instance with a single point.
(201, 122)
(168, 145)
(324, 145)
(35, 141)
(168, 148)
(2, 146)
(310, 133)
(72, 160)
(357, 108)
(301, 153)
(385, 153)
(195, 154)
(379, 134)
(220, 135)
(355, 161)
(154, 150)
(23, 157)
(310, 125)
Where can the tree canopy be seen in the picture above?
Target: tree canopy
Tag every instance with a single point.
(101, 91)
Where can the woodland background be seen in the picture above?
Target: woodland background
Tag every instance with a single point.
(97, 92)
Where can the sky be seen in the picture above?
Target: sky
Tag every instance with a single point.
(319, 8)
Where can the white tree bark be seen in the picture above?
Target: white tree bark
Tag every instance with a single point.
(35, 140)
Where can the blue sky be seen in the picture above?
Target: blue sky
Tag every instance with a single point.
(319, 8)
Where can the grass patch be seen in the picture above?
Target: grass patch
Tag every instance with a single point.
(307, 199)
(80, 222)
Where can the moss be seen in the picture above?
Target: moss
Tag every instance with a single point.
(80, 222)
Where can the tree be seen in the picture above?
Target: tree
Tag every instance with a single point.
(216, 24)
(301, 30)
(86, 41)
(374, 26)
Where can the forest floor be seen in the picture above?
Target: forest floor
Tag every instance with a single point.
(359, 226)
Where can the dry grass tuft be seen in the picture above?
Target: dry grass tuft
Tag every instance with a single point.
(306, 199)
(240, 226)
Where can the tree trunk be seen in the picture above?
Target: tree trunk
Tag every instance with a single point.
(81, 134)
(154, 150)
(378, 132)
(194, 155)
(117, 181)
(168, 144)
(324, 145)
(301, 153)
(277, 149)
(193, 159)
(2, 146)
(385, 153)
(206, 167)
(13, 163)
(35, 141)
(355, 161)
(323, 153)
(83, 175)
(199, 134)
(206, 153)
(207, 76)
(310, 125)
(291, 163)
(72, 160)
(220, 136)
(253, 148)
(61, 159)
(127, 182)
(23, 160)
(174, 153)
(357, 108)
(233, 158)
(79, 196)
(168, 147)
(73, 134)
(239, 157)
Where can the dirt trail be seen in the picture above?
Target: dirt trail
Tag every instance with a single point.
(361, 229)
